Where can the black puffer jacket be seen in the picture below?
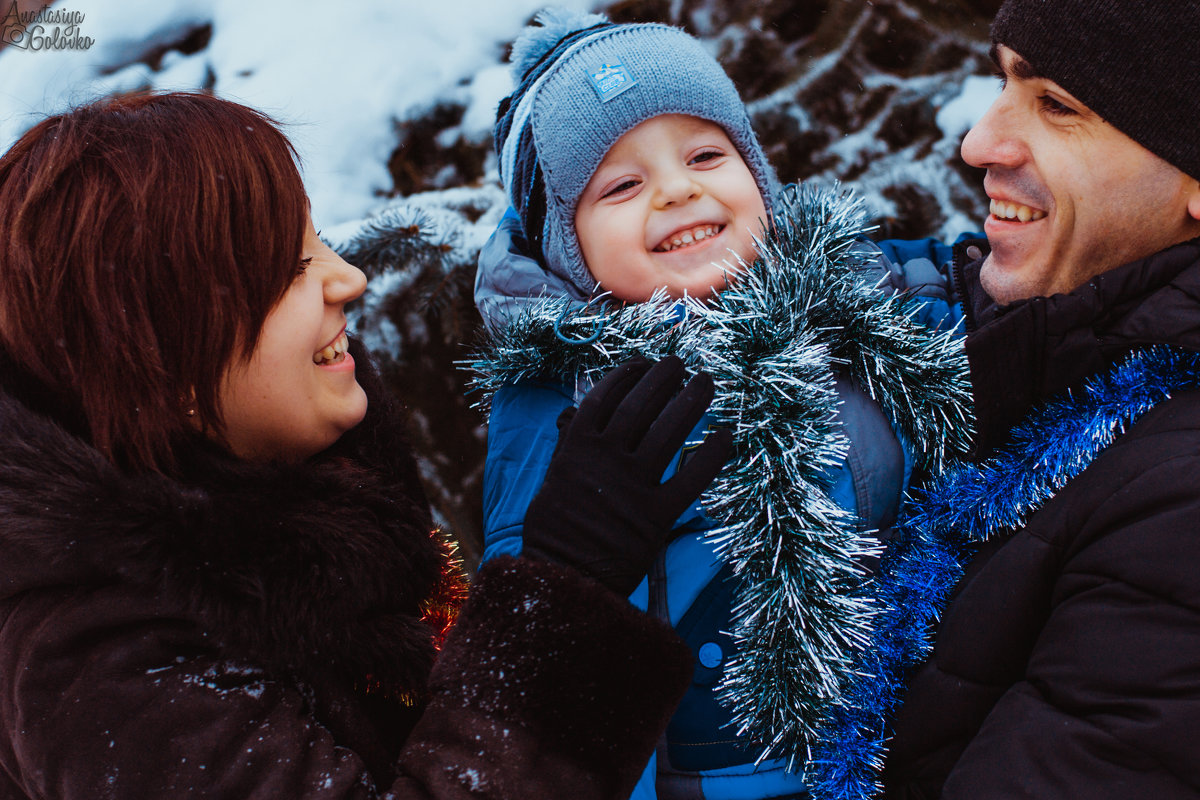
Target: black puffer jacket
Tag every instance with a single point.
(264, 631)
(1068, 662)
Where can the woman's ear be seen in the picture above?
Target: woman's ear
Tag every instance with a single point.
(187, 403)
(1194, 201)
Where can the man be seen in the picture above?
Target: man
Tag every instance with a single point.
(1067, 661)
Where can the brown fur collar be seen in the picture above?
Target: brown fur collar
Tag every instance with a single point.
(317, 571)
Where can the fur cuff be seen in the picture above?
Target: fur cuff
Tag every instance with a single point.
(543, 649)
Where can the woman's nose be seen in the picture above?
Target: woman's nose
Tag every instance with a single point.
(345, 282)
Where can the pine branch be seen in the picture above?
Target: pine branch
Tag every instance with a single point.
(401, 237)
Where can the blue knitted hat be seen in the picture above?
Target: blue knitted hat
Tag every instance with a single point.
(582, 83)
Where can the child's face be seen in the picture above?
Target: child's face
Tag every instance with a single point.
(669, 205)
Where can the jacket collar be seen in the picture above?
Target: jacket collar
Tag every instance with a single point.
(1034, 349)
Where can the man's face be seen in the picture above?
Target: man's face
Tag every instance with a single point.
(1071, 195)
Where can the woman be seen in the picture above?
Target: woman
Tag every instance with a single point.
(218, 573)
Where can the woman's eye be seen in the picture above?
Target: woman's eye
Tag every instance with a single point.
(304, 262)
(1052, 106)
(623, 186)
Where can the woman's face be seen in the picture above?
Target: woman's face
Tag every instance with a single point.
(296, 394)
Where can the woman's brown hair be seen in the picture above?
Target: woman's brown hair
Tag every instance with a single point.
(143, 241)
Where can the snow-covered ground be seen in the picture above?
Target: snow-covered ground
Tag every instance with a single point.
(340, 76)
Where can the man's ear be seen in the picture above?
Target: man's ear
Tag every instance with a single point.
(1194, 201)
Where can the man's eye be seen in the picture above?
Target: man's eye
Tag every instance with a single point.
(1052, 106)
(620, 187)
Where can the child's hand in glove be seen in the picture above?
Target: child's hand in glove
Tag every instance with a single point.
(603, 508)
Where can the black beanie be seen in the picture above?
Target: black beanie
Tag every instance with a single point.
(1136, 63)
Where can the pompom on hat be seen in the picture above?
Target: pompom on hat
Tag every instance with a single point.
(582, 83)
(1136, 63)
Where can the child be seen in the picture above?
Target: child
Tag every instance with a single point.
(636, 181)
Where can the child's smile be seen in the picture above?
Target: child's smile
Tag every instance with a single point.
(672, 205)
(692, 235)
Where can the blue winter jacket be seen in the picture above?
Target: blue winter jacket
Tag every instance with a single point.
(701, 756)
(925, 268)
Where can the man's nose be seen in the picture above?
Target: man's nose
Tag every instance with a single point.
(996, 139)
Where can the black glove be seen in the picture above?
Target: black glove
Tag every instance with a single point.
(603, 508)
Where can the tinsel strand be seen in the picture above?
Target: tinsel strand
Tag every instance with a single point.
(966, 505)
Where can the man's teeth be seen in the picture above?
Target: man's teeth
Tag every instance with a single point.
(334, 352)
(1005, 210)
(688, 237)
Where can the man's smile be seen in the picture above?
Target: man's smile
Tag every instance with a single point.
(1015, 211)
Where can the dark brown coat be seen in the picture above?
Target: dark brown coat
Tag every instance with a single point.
(260, 631)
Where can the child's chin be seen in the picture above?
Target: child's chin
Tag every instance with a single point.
(699, 290)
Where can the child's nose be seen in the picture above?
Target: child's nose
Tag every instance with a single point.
(678, 187)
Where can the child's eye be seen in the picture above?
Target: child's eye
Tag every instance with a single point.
(1052, 106)
(707, 155)
(623, 186)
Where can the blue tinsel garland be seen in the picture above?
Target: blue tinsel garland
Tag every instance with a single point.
(965, 506)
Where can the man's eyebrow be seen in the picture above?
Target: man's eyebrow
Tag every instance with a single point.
(1019, 68)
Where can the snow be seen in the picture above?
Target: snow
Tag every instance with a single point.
(959, 115)
(489, 86)
(471, 779)
(339, 76)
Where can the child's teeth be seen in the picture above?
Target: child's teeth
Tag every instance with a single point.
(688, 237)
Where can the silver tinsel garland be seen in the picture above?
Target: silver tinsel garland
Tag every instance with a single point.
(806, 309)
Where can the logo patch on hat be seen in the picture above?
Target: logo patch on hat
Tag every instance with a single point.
(610, 80)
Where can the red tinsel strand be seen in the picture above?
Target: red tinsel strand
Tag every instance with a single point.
(440, 609)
